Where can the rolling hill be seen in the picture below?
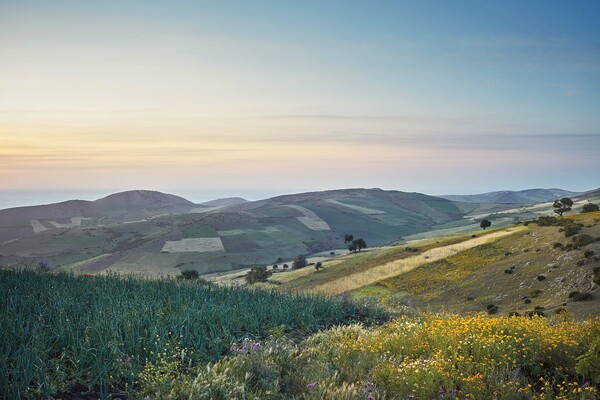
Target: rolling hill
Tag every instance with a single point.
(528, 196)
(119, 207)
(152, 233)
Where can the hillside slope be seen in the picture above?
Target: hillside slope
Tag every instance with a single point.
(530, 267)
(223, 238)
(527, 196)
(119, 207)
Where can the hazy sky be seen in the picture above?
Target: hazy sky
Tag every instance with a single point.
(275, 96)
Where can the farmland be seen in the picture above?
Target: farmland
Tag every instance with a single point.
(62, 332)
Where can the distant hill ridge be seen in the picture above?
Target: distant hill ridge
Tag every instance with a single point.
(527, 196)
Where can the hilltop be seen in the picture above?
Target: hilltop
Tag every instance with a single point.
(527, 196)
(119, 207)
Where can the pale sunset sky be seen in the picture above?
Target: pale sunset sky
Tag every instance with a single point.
(440, 97)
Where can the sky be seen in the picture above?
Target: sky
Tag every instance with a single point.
(270, 97)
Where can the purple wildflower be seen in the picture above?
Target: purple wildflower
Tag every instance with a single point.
(312, 385)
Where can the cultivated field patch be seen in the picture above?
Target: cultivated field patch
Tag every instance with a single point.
(37, 226)
(236, 232)
(364, 210)
(197, 245)
(310, 219)
(403, 265)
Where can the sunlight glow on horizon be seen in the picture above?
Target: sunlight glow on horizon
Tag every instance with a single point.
(439, 98)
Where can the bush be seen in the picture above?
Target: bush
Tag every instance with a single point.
(589, 207)
(596, 277)
(492, 309)
(583, 240)
(332, 253)
(527, 301)
(578, 296)
(318, 265)
(588, 253)
(557, 245)
(189, 274)
(299, 262)
(571, 230)
(541, 278)
(508, 271)
(258, 274)
(535, 293)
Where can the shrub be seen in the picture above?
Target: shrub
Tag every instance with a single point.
(258, 274)
(578, 296)
(285, 266)
(541, 278)
(318, 265)
(492, 309)
(596, 277)
(557, 245)
(588, 253)
(589, 207)
(332, 253)
(583, 240)
(568, 247)
(571, 230)
(189, 274)
(535, 293)
(299, 262)
(411, 249)
(514, 314)
(527, 301)
(508, 271)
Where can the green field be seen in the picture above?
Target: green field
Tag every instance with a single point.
(61, 332)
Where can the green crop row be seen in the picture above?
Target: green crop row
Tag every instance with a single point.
(60, 331)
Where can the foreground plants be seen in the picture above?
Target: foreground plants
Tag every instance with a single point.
(62, 335)
(432, 357)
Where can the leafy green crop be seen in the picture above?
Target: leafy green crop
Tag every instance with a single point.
(59, 331)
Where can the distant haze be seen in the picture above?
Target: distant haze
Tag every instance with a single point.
(271, 97)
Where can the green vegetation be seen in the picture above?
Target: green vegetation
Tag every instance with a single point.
(426, 357)
(589, 207)
(61, 332)
(486, 223)
(258, 274)
(563, 205)
(299, 262)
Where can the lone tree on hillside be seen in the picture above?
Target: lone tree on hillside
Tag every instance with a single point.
(299, 262)
(318, 265)
(486, 223)
(563, 205)
(348, 238)
(589, 207)
(258, 274)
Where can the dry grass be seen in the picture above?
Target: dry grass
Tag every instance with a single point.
(397, 267)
